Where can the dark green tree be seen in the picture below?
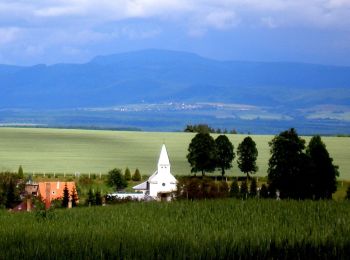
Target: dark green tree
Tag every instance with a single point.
(289, 167)
(74, 196)
(234, 190)
(116, 179)
(90, 200)
(224, 153)
(20, 172)
(253, 188)
(65, 198)
(325, 172)
(137, 175)
(263, 192)
(244, 190)
(127, 174)
(202, 153)
(247, 155)
(98, 198)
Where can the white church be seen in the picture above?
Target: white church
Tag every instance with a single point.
(161, 184)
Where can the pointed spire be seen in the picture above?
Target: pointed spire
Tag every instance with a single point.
(163, 157)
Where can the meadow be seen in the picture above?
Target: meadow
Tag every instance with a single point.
(211, 229)
(98, 151)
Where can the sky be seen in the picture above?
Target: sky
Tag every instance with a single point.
(75, 31)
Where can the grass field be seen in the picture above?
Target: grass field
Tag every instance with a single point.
(212, 229)
(95, 151)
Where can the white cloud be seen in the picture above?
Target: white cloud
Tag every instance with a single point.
(74, 24)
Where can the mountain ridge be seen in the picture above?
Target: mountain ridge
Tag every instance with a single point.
(160, 76)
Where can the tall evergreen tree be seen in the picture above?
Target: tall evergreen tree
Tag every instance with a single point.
(224, 153)
(65, 198)
(74, 196)
(127, 174)
(202, 153)
(325, 172)
(137, 175)
(20, 172)
(247, 155)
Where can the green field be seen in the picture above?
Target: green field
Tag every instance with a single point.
(212, 229)
(96, 151)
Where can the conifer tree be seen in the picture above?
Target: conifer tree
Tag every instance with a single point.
(20, 172)
(74, 197)
(127, 174)
(136, 176)
(65, 198)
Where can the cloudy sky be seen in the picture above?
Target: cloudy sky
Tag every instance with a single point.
(53, 31)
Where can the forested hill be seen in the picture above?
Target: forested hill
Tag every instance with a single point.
(162, 76)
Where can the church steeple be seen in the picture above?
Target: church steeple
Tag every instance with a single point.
(163, 161)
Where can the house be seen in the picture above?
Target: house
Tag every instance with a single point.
(161, 185)
(49, 191)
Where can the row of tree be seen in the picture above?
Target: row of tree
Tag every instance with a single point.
(295, 171)
(206, 154)
(117, 179)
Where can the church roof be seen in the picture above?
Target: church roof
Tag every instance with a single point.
(163, 157)
(141, 186)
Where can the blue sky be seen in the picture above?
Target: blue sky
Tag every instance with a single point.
(54, 31)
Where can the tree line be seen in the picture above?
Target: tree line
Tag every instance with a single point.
(295, 170)
(204, 128)
(206, 154)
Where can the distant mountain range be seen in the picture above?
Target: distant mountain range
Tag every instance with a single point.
(168, 76)
(165, 90)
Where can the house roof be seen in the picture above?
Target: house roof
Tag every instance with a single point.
(141, 186)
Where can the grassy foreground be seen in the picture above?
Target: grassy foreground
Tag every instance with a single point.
(93, 151)
(220, 229)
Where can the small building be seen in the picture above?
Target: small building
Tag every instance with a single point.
(161, 185)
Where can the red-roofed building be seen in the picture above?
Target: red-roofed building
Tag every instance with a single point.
(49, 191)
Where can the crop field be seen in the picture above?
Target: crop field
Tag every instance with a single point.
(220, 229)
(97, 151)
